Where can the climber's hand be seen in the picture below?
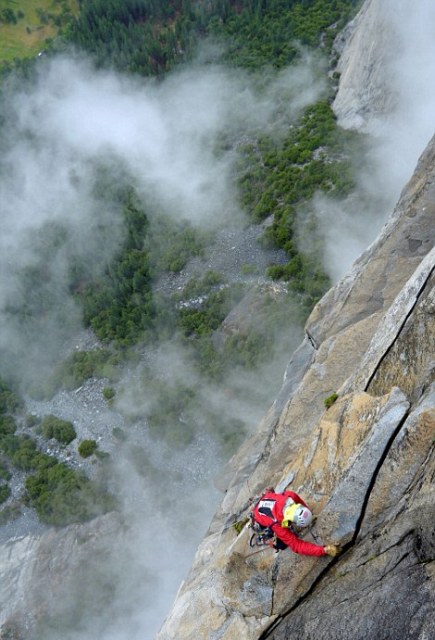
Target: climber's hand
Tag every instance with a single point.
(331, 550)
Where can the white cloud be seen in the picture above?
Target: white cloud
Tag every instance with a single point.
(163, 135)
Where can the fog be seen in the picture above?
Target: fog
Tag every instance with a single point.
(73, 122)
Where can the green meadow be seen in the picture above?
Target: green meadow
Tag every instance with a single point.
(27, 26)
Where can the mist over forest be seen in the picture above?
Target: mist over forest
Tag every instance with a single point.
(176, 196)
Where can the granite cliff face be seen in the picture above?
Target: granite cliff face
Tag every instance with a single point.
(367, 47)
(36, 570)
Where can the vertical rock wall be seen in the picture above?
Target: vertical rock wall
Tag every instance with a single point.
(367, 48)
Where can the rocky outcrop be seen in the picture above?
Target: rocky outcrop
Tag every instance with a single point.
(366, 464)
(383, 586)
(367, 47)
(36, 569)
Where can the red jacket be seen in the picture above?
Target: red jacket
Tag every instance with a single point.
(269, 513)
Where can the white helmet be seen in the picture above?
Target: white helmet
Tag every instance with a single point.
(302, 516)
(298, 514)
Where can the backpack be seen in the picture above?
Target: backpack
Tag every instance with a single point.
(262, 535)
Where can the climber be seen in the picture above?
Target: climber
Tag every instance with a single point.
(280, 512)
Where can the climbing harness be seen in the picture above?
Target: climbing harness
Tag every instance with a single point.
(261, 536)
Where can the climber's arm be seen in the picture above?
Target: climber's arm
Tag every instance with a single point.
(296, 544)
